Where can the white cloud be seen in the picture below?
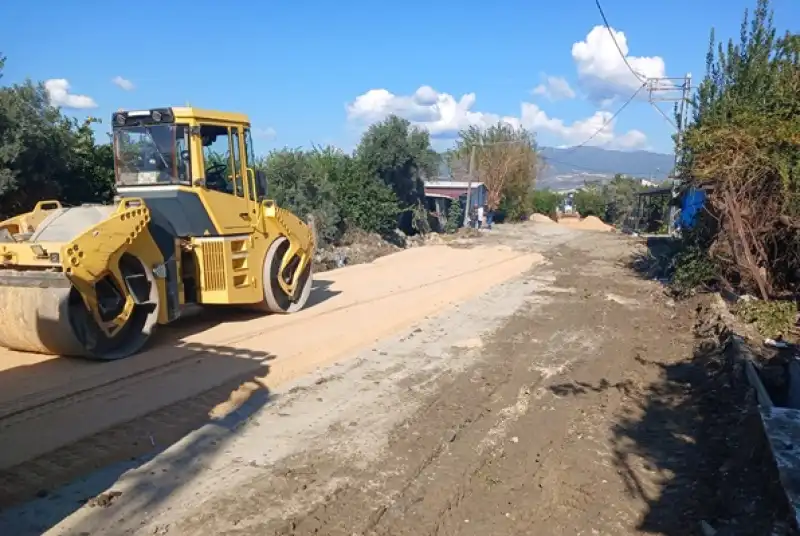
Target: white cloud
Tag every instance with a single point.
(555, 88)
(123, 83)
(443, 116)
(440, 113)
(536, 119)
(602, 71)
(58, 91)
(268, 133)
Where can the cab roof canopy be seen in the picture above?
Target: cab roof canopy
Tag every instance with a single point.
(188, 112)
(199, 114)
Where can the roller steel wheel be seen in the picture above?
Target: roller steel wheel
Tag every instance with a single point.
(45, 314)
(275, 299)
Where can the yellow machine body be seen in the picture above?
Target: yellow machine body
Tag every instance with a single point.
(191, 225)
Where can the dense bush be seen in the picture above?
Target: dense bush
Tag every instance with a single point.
(545, 201)
(298, 182)
(589, 201)
(742, 147)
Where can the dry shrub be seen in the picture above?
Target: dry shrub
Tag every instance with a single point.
(744, 147)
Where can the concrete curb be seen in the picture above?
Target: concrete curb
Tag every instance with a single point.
(781, 427)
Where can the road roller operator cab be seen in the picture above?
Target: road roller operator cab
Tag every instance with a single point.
(186, 149)
(191, 225)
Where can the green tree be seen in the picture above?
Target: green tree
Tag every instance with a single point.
(589, 201)
(545, 201)
(91, 168)
(46, 155)
(619, 196)
(35, 148)
(364, 201)
(301, 185)
(507, 162)
(454, 217)
(400, 155)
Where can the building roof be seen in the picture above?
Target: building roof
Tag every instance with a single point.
(451, 184)
(654, 192)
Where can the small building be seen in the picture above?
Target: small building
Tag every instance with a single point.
(439, 195)
(457, 189)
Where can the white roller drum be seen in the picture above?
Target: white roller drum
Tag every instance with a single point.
(34, 314)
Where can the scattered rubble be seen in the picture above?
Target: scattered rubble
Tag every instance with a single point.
(740, 487)
(359, 247)
(104, 500)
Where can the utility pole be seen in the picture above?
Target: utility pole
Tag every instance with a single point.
(469, 183)
(668, 88)
(472, 168)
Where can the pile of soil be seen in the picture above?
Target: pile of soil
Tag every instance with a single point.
(589, 223)
(540, 218)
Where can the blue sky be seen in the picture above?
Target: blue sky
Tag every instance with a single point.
(318, 72)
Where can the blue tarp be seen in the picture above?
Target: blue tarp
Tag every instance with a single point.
(691, 204)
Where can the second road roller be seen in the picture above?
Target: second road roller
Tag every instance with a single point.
(191, 224)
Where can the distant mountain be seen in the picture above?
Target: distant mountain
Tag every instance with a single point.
(570, 168)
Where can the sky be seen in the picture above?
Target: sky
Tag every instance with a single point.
(316, 72)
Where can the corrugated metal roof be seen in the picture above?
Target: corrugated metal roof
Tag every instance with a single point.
(451, 184)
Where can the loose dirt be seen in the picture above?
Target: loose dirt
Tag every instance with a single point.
(47, 402)
(540, 218)
(559, 401)
(589, 223)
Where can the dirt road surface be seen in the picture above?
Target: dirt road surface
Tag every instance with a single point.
(513, 384)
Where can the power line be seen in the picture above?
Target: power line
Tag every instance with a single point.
(640, 76)
(608, 121)
(651, 82)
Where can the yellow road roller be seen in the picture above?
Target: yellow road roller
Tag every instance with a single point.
(191, 225)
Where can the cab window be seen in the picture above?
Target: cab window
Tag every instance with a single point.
(217, 158)
(237, 164)
(257, 189)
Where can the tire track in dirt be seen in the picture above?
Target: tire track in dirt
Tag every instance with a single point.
(439, 479)
(436, 463)
(33, 433)
(531, 485)
(464, 413)
(427, 506)
(190, 350)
